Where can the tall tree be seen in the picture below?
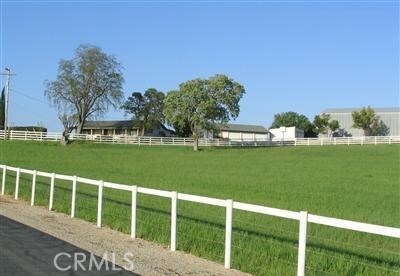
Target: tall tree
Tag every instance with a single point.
(367, 120)
(323, 124)
(86, 85)
(333, 126)
(290, 119)
(202, 104)
(2, 107)
(146, 109)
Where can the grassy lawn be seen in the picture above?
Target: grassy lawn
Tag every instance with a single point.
(357, 182)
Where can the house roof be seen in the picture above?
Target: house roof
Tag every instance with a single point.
(349, 110)
(109, 124)
(243, 128)
(115, 124)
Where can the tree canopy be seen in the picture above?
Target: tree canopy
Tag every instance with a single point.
(369, 122)
(202, 104)
(146, 109)
(324, 124)
(86, 86)
(290, 119)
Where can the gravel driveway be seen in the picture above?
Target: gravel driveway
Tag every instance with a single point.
(148, 258)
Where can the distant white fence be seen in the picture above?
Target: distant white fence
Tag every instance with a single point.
(179, 141)
(303, 216)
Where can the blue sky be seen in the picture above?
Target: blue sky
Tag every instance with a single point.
(301, 56)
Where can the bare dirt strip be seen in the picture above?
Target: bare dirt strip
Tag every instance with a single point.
(148, 258)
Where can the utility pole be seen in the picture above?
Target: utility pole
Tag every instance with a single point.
(7, 91)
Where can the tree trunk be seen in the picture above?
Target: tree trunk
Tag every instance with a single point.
(195, 142)
(79, 128)
(65, 138)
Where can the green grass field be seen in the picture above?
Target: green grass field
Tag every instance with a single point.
(358, 183)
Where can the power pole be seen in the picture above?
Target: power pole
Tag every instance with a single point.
(7, 91)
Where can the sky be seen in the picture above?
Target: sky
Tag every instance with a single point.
(302, 56)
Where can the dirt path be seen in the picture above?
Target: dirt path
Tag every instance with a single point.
(148, 258)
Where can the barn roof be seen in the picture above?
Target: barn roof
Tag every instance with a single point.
(244, 128)
(349, 110)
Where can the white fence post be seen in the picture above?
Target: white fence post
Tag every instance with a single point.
(301, 257)
(73, 201)
(99, 203)
(17, 183)
(3, 181)
(228, 233)
(133, 212)
(33, 188)
(51, 191)
(174, 201)
(375, 140)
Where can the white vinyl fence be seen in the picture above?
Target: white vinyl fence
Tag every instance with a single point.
(303, 216)
(179, 141)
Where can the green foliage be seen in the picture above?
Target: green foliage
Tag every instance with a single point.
(2, 107)
(367, 120)
(321, 123)
(85, 86)
(200, 104)
(290, 119)
(146, 109)
(356, 183)
(379, 128)
(324, 125)
(334, 125)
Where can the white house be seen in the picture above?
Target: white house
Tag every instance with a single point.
(285, 133)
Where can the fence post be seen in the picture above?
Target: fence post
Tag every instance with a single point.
(174, 203)
(73, 196)
(334, 141)
(348, 141)
(17, 183)
(3, 181)
(301, 257)
(133, 212)
(375, 140)
(99, 203)
(33, 188)
(26, 134)
(295, 141)
(228, 232)
(362, 141)
(308, 141)
(51, 191)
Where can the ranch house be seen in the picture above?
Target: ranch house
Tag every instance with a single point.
(240, 132)
(124, 127)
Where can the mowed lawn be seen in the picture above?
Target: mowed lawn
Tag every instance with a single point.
(351, 182)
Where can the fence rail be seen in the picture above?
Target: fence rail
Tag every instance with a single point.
(303, 217)
(215, 142)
